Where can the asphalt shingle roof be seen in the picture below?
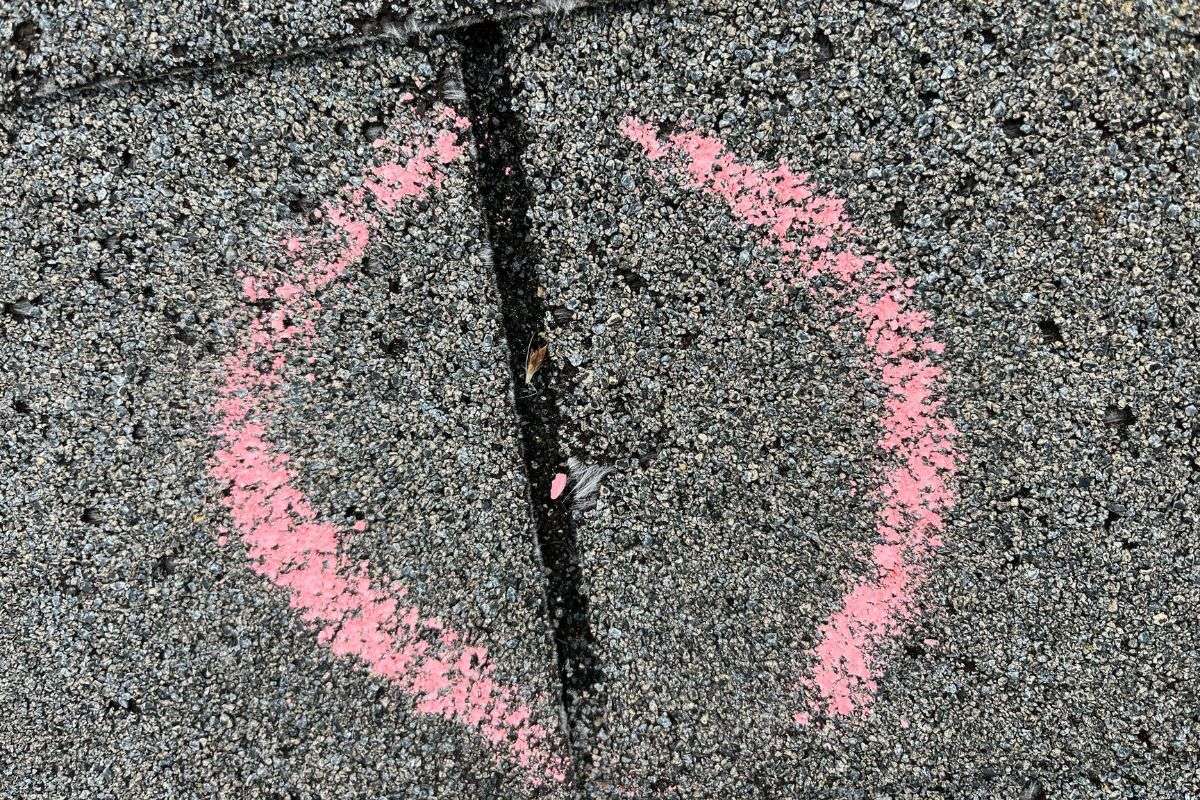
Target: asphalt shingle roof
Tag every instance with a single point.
(861, 464)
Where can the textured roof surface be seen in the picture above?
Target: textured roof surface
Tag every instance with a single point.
(140, 649)
(1037, 183)
(51, 46)
(697, 399)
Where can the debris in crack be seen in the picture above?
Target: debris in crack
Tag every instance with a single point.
(533, 362)
(585, 479)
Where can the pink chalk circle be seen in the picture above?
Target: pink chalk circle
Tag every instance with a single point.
(916, 443)
(445, 671)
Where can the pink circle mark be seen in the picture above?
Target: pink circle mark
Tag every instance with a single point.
(447, 674)
(917, 442)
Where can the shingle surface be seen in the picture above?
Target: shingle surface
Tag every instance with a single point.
(254, 558)
(46, 47)
(1034, 171)
(140, 653)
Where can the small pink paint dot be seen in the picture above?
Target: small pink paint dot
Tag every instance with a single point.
(557, 485)
(904, 723)
(222, 539)
(360, 526)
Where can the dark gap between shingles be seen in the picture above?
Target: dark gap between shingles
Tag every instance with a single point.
(505, 197)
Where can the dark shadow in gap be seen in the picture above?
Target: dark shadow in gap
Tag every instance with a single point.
(504, 193)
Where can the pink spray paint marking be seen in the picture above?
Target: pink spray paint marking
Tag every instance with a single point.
(917, 441)
(285, 539)
(557, 485)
